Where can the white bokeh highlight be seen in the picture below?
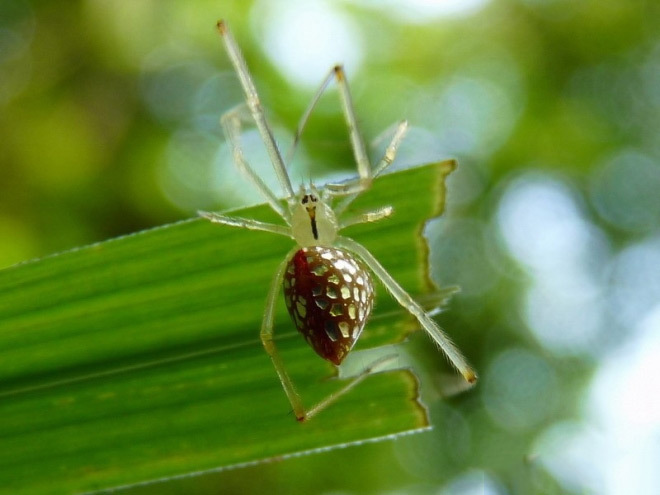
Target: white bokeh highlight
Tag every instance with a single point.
(424, 11)
(615, 448)
(542, 226)
(305, 39)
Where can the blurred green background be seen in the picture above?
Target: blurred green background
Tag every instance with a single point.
(109, 124)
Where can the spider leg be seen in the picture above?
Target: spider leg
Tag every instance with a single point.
(269, 343)
(246, 223)
(254, 104)
(350, 385)
(384, 135)
(352, 189)
(231, 124)
(369, 216)
(308, 111)
(390, 151)
(404, 299)
(359, 149)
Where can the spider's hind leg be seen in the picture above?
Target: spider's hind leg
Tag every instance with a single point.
(404, 299)
(232, 124)
(369, 370)
(269, 343)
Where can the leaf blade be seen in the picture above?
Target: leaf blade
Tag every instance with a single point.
(113, 356)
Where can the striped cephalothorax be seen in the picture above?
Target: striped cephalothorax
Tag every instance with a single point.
(328, 288)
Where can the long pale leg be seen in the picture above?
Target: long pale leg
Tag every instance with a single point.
(350, 385)
(254, 104)
(353, 189)
(369, 216)
(308, 111)
(359, 149)
(246, 223)
(231, 124)
(269, 344)
(359, 185)
(450, 350)
(390, 151)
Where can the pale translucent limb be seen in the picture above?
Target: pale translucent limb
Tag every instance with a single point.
(305, 116)
(231, 124)
(390, 151)
(269, 343)
(352, 190)
(403, 298)
(351, 187)
(361, 184)
(349, 386)
(254, 104)
(384, 135)
(369, 216)
(246, 223)
(359, 149)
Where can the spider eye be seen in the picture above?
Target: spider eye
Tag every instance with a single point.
(305, 199)
(313, 198)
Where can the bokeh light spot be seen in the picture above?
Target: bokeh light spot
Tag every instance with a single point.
(170, 90)
(623, 404)
(424, 11)
(626, 191)
(573, 453)
(520, 389)
(543, 227)
(474, 483)
(305, 39)
(541, 223)
(460, 256)
(635, 282)
(471, 115)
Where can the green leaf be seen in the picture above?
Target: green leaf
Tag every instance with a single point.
(139, 358)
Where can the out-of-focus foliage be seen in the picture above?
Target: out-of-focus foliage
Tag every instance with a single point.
(109, 123)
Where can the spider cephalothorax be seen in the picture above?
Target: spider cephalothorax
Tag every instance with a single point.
(328, 288)
(313, 222)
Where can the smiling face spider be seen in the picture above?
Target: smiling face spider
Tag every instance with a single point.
(328, 289)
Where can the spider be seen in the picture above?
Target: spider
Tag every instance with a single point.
(328, 287)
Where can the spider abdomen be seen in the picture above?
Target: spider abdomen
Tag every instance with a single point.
(329, 295)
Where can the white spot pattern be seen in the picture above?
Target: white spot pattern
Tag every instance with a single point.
(329, 295)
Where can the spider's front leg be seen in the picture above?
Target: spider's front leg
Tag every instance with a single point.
(246, 223)
(350, 190)
(367, 217)
(232, 126)
(365, 173)
(359, 150)
(255, 109)
(363, 182)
